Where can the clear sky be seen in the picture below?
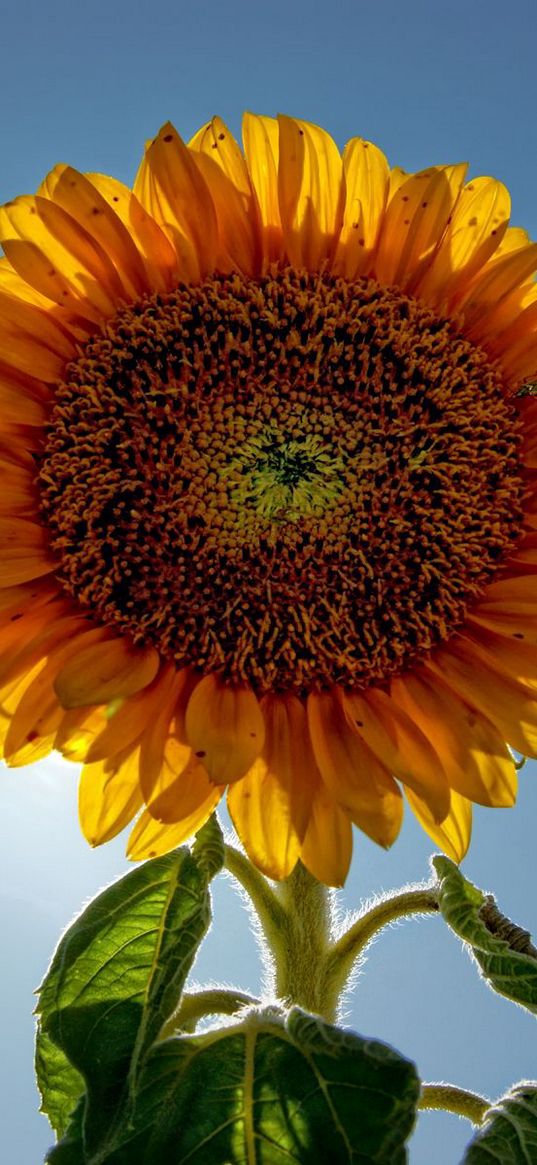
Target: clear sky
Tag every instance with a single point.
(87, 84)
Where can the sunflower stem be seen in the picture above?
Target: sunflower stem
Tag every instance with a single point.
(301, 947)
(456, 1100)
(196, 1005)
(351, 945)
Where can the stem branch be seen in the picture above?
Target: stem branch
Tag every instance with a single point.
(197, 1004)
(349, 947)
(453, 1099)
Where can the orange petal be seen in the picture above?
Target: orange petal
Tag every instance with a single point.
(165, 750)
(182, 798)
(34, 718)
(470, 750)
(169, 185)
(31, 342)
(454, 833)
(354, 776)
(473, 672)
(311, 191)
(76, 195)
(224, 169)
(326, 850)
(225, 727)
(24, 551)
(261, 148)
(17, 490)
(476, 229)
(34, 635)
(109, 796)
(34, 709)
(515, 652)
(414, 223)
(509, 605)
(399, 745)
(77, 731)
(107, 671)
(366, 180)
(126, 721)
(270, 806)
(150, 838)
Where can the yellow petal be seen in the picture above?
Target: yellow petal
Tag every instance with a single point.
(56, 255)
(169, 185)
(470, 749)
(225, 727)
(82, 201)
(158, 255)
(399, 745)
(224, 169)
(150, 838)
(482, 302)
(311, 191)
(326, 850)
(366, 179)
(477, 226)
(261, 148)
(454, 833)
(111, 670)
(414, 223)
(354, 776)
(270, 806)
(109, 796)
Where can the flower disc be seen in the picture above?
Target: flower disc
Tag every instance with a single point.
(299, 480)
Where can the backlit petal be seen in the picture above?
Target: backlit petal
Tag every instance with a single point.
(111, 670)
(311, 191)
(354, 776)
(225, 727)
(454, 832)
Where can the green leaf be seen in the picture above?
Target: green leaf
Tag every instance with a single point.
(503, 951)
(116, 977)
(60, 1085)
(271, 1090)
(509, 1133)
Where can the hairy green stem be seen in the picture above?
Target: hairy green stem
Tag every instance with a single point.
(196, 1005)
(348, 948)
(268, 909)
(453, 1099)
(300, 951)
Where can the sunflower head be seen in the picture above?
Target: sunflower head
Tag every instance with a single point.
(269, 516)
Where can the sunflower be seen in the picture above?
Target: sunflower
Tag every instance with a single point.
(268, 516)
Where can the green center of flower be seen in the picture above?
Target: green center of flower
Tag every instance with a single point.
(285, 479)
(296, 481)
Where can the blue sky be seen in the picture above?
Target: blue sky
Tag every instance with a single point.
(429, 83)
